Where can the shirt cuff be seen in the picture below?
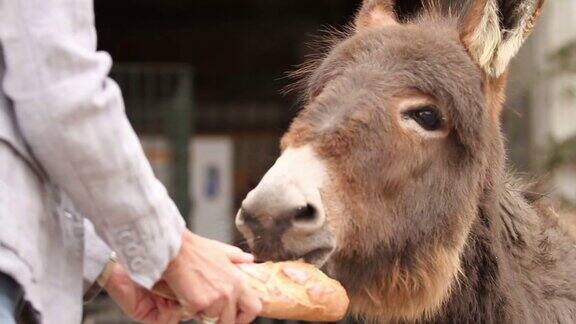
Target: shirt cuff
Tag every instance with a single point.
(146, 246)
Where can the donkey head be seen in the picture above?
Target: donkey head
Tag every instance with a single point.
(383, 170)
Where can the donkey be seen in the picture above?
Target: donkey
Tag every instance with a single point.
(393, 175)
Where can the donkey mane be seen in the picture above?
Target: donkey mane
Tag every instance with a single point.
(515, 264)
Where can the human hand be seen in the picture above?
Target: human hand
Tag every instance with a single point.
(207, 283)
(138, 303)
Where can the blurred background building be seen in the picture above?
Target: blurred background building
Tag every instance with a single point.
(202, 82)
(541, 106)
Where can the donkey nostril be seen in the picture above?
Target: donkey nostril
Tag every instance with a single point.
(306, 214)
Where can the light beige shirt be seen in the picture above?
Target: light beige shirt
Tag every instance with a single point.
(67, 146)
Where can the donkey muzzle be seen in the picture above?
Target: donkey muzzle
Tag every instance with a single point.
(283, 217)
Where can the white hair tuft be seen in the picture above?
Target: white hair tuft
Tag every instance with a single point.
(491, 45)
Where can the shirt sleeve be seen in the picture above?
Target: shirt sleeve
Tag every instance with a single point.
(72, 117)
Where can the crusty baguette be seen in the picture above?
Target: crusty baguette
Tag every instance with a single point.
(291, 290)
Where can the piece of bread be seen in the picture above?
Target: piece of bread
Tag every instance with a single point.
(291, 290)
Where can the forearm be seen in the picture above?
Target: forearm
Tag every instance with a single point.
(72, 116)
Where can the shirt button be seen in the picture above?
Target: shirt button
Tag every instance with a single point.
(137, 264)
(125, 237)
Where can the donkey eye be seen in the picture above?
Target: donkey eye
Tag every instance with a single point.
(427, 117)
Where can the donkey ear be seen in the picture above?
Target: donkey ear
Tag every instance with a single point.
(375, 14)
(494, 31)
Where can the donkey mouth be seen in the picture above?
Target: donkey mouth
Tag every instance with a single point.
(317, 256)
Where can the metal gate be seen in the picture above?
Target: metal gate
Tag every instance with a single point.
(159, 101)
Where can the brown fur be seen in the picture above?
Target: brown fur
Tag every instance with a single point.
(410, 295)
(495, 93)
(428, 229)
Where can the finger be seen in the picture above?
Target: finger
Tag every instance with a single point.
(234, 253)
(173, 303)
(169, 311)
(163, 310)
(151, 318)
(249, 306)
(241, 258)
(173, 311)
(186, 316)
(194, 295)
(214, 309)
(228, 315)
